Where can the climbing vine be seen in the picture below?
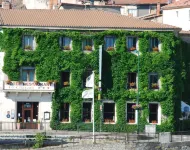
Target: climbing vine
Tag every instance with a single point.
(50, 60)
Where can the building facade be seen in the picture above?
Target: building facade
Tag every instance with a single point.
(57, 54)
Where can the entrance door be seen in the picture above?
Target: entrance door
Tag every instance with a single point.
(27, 113)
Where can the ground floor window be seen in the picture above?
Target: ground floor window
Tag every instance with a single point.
(109, 112)
(87, 106)
(153, 113)
(64, 112)
(130, 113)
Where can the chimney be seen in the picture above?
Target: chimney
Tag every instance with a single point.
(158, 9)
(6, 5)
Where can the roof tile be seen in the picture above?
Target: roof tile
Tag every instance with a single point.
(178, 4)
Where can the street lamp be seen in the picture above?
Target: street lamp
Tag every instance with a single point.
(138, 88)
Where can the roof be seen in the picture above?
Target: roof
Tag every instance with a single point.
(184, 32)
(129, 2)
(178, 4)
(78, 19)
(62, 4)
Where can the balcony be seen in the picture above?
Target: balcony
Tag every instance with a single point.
(24, 86)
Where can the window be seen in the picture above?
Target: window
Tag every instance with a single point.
(64, 112)
(65, 43)
(109, 43)
(130, 113)
(131, 43)
(154, 44)
(153, 113)
(86, 112)
(87, 44)
(132, 12)
(28, 74)
(153, 9)
(132, 81)
(28, 42)
(109, 112)
(153, 81)
(87, 73)
(65, 78)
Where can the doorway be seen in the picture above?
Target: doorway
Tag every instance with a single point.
(27, 114)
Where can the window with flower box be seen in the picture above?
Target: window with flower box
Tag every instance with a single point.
(65, 43)
(131, 43)
(27, 73)
(153, 81)
(87, 73)
(154, 45)
(65, 112)
(153, 113)
(132, 78)
(87, 45)
(109, 43)
(87, 109)
(29, 42)
(109, 112)
(65, 78)
(130, 113)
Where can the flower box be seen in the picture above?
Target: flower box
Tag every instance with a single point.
(131, 121)
(108, 120)
(65, 120)
(87, 120)
(155, 49)
(155, 86)
(110, 48)
(137, 107)
(88, 48)
(154, 121)
(132, 84)
(132, 48)
(28, 47)
(66, 48)
(66, 83)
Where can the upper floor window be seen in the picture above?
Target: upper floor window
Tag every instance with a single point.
(153, 81)
(131, 43)
(29, 42)
(132, 77)
(109, 43)
(87, 44)
(65, 43)
(87, 73)
(153, 113)
(28, 74)
(132, 12)
(65, 78)
(65, 112)
(154, 44)
(130, 113)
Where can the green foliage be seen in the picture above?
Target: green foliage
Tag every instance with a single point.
(50, 60)
(39, 138)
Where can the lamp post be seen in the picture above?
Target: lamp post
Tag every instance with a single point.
(138, 88)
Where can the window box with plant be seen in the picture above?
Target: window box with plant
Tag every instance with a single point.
(154, 121)
(66, 48)
(66, 83)
(155, 49)
(88, 48)
(131, 121)
(28, 47)
(110, 49)
(155, 86)
(132, 85)
(137, 107)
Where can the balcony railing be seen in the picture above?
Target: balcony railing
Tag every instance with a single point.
(28, 86)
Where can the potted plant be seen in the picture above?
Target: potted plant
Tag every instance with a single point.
(88, 48)
(18, 124)
(131, 121)
(28, 47)
(132, 48)
(132, 84)
(39, 125)
(154, 121)
(49, 82)
(66, 47)
(110, 48)
(154, 85)
(155, 49)
(36, 82)
(8, 81)
(136, 107)
(66, 83)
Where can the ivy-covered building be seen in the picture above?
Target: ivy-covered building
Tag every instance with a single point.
(49, 54)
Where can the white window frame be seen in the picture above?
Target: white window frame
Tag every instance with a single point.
(87, 101)
(27, 68)
(137, 42)
(69, 114)
(115, 117)
(33, 46)
(159, 81)
(129, 102)
(61, 43)
(159, 44)
(86, 45)
(159, 113)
